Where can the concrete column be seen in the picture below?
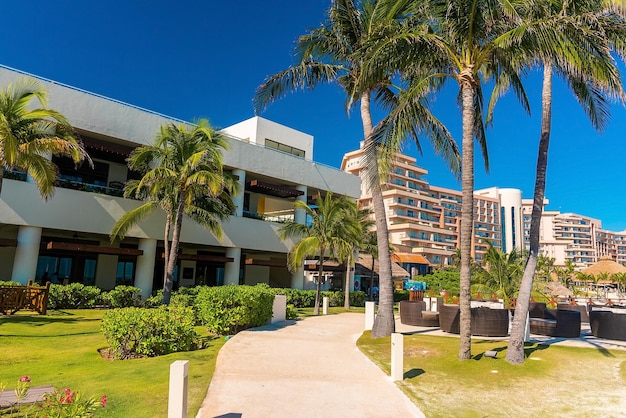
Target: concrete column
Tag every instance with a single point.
(144, 275)
(231, 271)
(397, 356)
(325, 302)
(279, 309)
(299, 215)
(527, 329)
(370, 315)
(26, 254)
(179, 378)
(238, 199)
(297, 279)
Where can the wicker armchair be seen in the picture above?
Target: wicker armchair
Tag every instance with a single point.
(557, 323)
(415, 313)
(490, 322)
(448, 317)
(584, 315)
(606, 324)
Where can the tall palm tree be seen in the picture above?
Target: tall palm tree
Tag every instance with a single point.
(335, 53)
(183, 175)
(30, 134)
(324, 232)
(590, 30)
(469, 42)
(369, 246)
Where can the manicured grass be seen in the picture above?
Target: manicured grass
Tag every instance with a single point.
(61, 349)
(553, 381)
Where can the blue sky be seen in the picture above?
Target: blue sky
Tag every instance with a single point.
(192, 59)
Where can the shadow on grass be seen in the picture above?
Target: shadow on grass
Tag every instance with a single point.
(413, 373)
(39, 320)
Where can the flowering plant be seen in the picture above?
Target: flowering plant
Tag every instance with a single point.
(68, 404)
(23, 384)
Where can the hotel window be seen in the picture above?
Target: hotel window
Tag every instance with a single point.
(284, 148)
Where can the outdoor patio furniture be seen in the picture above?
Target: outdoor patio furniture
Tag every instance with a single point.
(484, 321)
(557, 323)
(415, 313)
(490, 322)
(29, 297)
(607, 324)
(536, 309)
(584, 315)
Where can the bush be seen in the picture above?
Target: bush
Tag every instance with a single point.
(229, 309)
(292, 312)
(124, 297)
(400, 295)
(74, 296)
(138, 332)
(297, 297)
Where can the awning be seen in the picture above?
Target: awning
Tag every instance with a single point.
(272, 262)
(203, 257)
(410, 258)
(86, 248)
(8, 242)
(277, 190)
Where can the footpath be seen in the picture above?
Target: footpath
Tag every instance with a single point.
(300, 369)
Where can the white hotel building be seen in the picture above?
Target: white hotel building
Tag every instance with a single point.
(66, 238)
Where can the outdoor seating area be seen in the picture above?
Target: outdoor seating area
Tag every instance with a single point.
(554, 322)
(584, 315)
(29, 297)
(415, 313)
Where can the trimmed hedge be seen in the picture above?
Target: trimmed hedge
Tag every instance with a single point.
(74, 296)
(230, 309)
(306, 298)
(140, 332)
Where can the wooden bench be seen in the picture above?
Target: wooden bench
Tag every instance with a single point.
(29, 297)
(35, 394)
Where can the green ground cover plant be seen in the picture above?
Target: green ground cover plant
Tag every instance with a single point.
(555, 381)
(62, 349)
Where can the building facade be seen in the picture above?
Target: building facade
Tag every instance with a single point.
(425, 219)
(66, 238)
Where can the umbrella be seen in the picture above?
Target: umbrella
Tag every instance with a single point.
(557, 289)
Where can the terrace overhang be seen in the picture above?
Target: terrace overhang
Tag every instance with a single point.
(271, 189)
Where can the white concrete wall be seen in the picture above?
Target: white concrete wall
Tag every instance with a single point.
(106, 269)
(257, 274)
(6, 268)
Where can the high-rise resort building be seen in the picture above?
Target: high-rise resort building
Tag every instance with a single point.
(66, 238)
(425, 220)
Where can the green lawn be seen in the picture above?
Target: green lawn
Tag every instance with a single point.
(61, 349)
(554, 381)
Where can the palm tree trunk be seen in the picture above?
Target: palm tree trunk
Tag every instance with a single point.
(371, 296)
(346, 296)
(515, 350)
(384, 324)
(318, 293)
(1, 178)
(467, 214)
(166, 241)
(168, 282)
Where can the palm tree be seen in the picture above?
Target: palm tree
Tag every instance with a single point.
(501, 274)
(470, 42)
(327, 227)
(369, 246)
(30, 133)
(589, 70)
(183, 175)
(335, 53)
(357, 223)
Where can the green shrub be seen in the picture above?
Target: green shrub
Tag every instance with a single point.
(139, 332)
(292, 312)
(297, 297)
(74, 296)
(229, 309)
(124, 297)
(400, 295)
(9, 283)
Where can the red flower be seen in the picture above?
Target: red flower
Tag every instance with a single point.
(25, 379)
(103, 401)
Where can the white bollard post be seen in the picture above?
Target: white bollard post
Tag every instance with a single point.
(279, 310)
(433, 305)
(179, 377)
(527, 333)
(325, 305)
(397, 356)
(370, 315)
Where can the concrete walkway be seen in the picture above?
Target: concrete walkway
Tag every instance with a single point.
(306, 368)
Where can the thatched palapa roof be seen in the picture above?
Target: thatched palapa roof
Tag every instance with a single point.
(606, 264)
